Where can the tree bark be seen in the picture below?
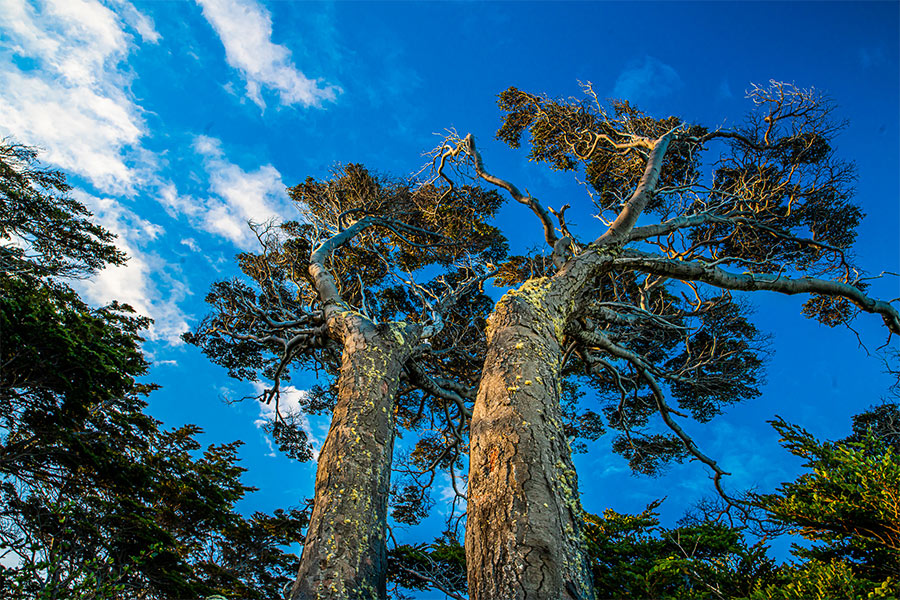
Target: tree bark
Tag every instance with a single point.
(345, 555)
(524, 527)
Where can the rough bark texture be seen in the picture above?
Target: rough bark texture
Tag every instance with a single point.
(345, 554)
(524, 526)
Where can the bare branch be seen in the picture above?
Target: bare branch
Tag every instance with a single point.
(433, 387)
(526, 199)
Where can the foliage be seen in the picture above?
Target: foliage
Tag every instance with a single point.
(440, 565)
(776, 199)
(818, 579)
(632, 556)
(43, 230)
(848, 503)
(96, 501)
(114, 500)
(420, 259)
(643, 304)
(56, 345)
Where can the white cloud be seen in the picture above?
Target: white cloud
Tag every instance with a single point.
(65, 82)
(133, 283)
(73, 103)
(191, 243)
(447, 492)
(138, 21)
(238, 197)
(245, 29)
(646, 79)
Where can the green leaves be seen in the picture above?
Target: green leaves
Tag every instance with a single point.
(96, 501)
(56, 344)
(850, 499)
(43, 230)
(634, 557)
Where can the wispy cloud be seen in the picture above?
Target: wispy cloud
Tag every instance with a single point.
(723, 92)
(63, 86)
(871, 57)
(138, 21)
(191, 243)
(237, 197)
(245, 29)
(141, 282)
(647, 79)
(65, 82)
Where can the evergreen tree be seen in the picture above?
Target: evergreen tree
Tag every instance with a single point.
(849, 500)
(96, 501)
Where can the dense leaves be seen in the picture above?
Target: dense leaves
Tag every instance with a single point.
(846, 504)
(43, 230)
(768, 196)
(634, 557)
(96, 500)
(419, 260)
(55, 344)
(849, 501)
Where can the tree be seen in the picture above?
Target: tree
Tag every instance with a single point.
(336, 293)
(43, 230)
(849, 501)
(632, 556)
(440, 565)
(845, 503)
(645, 314)
(96, 501)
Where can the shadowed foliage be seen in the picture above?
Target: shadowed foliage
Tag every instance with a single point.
(96, 501)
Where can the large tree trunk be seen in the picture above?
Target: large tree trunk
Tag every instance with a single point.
(345, 555)
(524, 526)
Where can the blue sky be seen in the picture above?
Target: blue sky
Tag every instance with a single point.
(179, 121)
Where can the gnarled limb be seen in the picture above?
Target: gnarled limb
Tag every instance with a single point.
(628, 216)
(748, 282)
(536, 207)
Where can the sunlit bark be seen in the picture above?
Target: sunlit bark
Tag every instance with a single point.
(345, 554)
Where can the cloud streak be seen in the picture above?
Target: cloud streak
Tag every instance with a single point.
(66, 89)
(72, 100)
(134, 283)
(237, 197)
(245, 29)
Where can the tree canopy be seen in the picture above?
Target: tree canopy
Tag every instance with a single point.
(96, 499)
(636, 323)
(648, 313)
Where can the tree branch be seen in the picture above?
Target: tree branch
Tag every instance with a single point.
(718, 277)
(527, 200)
(624, 223)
